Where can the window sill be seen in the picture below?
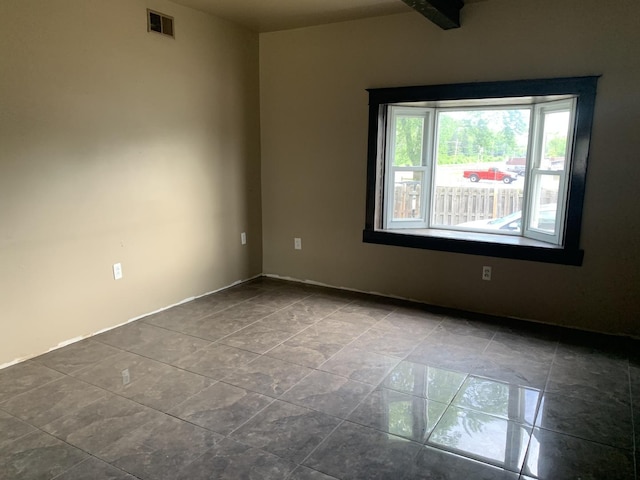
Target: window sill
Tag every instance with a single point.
(502, 246)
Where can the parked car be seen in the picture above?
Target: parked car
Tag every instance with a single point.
(513, 221)
(489, 174)
(517, 165)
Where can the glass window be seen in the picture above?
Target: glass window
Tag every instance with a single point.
(452, 160)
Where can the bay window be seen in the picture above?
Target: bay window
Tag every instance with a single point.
(489, 168)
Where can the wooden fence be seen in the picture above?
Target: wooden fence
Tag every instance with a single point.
(454, 205)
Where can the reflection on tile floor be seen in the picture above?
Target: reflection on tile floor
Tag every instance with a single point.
(277, 380)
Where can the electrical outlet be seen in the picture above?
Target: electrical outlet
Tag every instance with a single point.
(297, 243)
(243, 238)
(126, 377)
(117, 271)
(486, 273)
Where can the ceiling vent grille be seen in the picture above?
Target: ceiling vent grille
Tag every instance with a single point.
(160, 23)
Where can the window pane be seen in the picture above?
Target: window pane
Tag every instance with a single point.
(407, 195)
(544, 204)
(409, 140)
(475, 186)
(554, 140)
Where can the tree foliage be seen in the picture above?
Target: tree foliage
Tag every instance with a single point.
(464, 137)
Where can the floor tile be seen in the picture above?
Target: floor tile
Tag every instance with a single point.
(554, 456)
(77, 356)
(601, 421)
(370, 310)
(386, 343)
(230, 460)
(94, 469)
(151, 383)
(360, 365)
(277, 300)
(286, 430)
(484, 437)
(634, 376)
(328, 393)
(399, 414)
(311, 308)
(425, 381)
(580, 379)
(355, 452)
(181, 318)
(351, 315)
(467, 328)
(216, 361)
(23, 377)
(512, 368)
(241, 293)
(333, 331)
(503, 400)
(434, 464)
(95, 427)
(53, 400)
(463, 338)
(12, 428)
(408, 321)
(256, 338)
(268, 376)
(218, 325)
(445, 395)
(525, 347)
(214, 303)
(37, 456)
(450, 357)
(293, 319)
(221, 407)
(132, 335)
(309, 351)
(171, 348)
(153, 342)
(304, 473)
(160, 449)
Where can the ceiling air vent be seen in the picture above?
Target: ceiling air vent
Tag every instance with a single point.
(159, 22)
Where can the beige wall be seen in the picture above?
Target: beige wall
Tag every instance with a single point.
(118, 145)
(314, 137)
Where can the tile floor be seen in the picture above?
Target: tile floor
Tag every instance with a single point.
(276, 380)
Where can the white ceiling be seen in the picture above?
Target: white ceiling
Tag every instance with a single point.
(272, 15)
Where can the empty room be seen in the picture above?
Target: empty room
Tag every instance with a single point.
(319, 240)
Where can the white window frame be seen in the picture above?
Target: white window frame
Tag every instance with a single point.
(427, 114)
(534, 172)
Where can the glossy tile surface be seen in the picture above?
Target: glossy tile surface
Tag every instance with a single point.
(554, 456)
(285, 381)
(287, 430)
(221, 407)
(499, 399)
(425, 381)
(354, 451)
(484, 437)
(399, 414)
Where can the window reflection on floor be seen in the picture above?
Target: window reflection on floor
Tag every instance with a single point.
(485, 419)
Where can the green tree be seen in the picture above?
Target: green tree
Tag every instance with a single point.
(556, 147)
(409, 140)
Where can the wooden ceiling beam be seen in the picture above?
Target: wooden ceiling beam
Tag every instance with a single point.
(444, 13)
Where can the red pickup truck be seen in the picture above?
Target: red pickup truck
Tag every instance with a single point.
(489, 174)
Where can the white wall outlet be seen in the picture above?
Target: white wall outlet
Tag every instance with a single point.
(486, 273)
(243, 238)
(297, 243)
(117, 271)
(126, 377)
